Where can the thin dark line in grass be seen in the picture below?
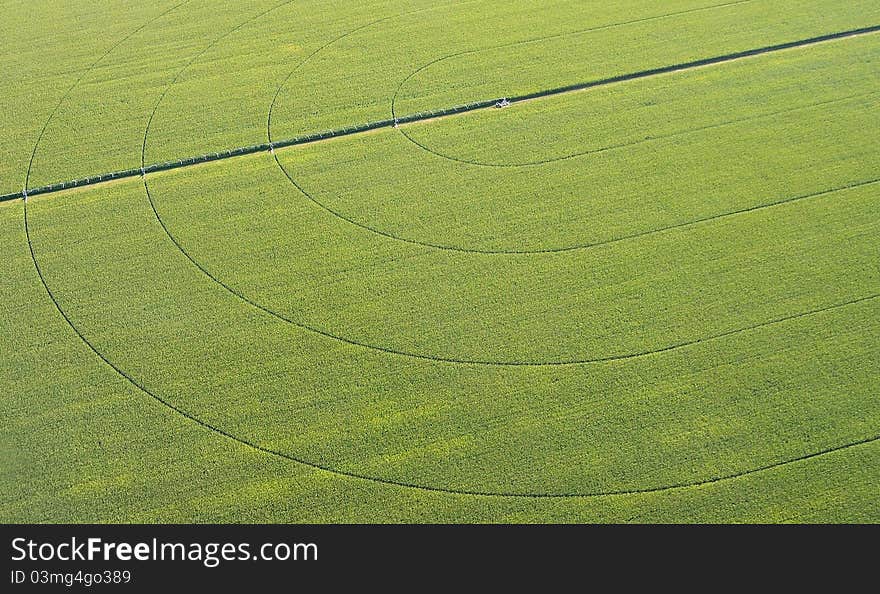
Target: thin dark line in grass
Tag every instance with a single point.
(389, 482)
(628, 77)
(379, 348)
(103, 178)
(556, 36)
(284, 318)
(622, 78)
(320, 49)
(561, 249)
(527, 41)
(593, 29)
(397, 91)
(454, 360)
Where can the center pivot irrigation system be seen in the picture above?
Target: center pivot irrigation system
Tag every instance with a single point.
(395, 121)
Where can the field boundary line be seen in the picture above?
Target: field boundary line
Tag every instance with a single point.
(144, 168)
(578, 247)
(422, 116)
(582, 246)
(617, 79)
(673, 68)
(403, 484)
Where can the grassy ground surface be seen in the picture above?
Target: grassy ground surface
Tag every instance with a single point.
(651, 301)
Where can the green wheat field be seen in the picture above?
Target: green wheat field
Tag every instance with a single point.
(646, 288)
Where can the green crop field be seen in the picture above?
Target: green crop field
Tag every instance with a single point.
(646, 290)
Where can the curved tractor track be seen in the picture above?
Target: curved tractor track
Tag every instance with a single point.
(389, 482)
(240, 295)
(353, 475)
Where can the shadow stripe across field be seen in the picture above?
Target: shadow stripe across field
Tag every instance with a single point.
(430, 115)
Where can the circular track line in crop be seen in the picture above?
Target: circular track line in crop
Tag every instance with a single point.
(630, 77)
(254, 445)
(532, 40)
(333, 41)
(583, 246)
(461, 249)
(635, 76)
(287, 78)
(186, 67)
(461, 360)
(464, 361)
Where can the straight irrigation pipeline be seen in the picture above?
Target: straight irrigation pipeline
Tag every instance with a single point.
(431, 115)
(697, 63)
(240, 151)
